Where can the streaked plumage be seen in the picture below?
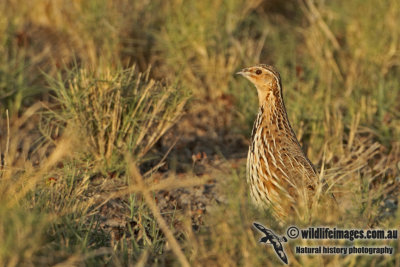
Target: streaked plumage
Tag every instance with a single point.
(279, 174)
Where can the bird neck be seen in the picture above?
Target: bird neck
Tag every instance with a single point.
(263, 96)
(273, 116)
(273, 110)
(270, 101)
(270, 91)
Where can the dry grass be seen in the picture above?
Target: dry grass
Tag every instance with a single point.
(89, 90)
(116, 111)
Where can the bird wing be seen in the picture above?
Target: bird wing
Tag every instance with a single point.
(279, 250)
(263, 229)
(260, 227)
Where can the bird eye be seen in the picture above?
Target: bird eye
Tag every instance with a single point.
(258, 72)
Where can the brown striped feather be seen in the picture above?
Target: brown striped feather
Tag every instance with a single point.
(280, 176)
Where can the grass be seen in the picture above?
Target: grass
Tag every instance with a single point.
(116, 110)
(105, 106)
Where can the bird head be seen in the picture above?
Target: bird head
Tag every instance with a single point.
(265, 78)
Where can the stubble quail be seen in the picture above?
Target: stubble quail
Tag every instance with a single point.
(280, 176)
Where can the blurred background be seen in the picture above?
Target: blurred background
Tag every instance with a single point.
(90, 88)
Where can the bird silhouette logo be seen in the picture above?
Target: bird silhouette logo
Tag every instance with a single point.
(274, 240)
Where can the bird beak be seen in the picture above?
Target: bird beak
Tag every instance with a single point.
(243, 72)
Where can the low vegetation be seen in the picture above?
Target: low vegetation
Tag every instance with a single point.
(124, 131)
